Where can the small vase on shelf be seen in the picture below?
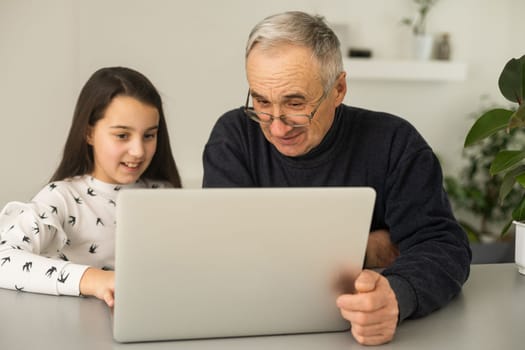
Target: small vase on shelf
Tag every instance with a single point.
(423, 47)
(443, 47)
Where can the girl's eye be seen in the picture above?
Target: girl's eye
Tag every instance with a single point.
(122, 136)
(150, 136)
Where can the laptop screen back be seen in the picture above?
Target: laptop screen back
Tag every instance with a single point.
(201, 263)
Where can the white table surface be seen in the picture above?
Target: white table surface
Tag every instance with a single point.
(488, 314)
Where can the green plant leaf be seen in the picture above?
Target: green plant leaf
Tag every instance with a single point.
(517, 119)
(506, 227)
(505, 160)
(488, 124)
(521, 179)
(519, 213)
(509, 180)
(512, 80)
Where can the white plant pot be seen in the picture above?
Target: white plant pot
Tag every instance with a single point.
(519, 253)
(423, 45)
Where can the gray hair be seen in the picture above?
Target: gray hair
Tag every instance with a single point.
(299, 28)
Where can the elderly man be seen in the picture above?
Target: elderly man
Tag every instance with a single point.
(297, 132)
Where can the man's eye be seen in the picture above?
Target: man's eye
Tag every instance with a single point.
(296, 105)
(263, 103)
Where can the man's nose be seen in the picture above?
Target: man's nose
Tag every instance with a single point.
(279, 128)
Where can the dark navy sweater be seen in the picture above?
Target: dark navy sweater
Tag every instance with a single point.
(362, 148)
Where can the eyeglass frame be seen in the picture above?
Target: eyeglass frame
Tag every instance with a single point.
(254, 115)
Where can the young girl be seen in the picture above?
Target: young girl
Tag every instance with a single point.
(62, 242)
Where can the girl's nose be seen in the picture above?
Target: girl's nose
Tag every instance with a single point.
(136, 148)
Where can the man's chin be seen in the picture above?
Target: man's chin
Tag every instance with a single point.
(291, 151)
(290, 147)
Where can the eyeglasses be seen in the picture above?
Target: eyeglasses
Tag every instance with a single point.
(293, 120)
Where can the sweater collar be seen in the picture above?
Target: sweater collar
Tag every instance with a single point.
(108, 188)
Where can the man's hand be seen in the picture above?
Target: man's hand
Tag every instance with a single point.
(100, 284)
(372, 311)
(380, 251)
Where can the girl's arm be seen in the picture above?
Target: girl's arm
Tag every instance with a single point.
(31, 242)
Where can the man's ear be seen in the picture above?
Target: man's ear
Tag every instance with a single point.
(340, 88)
(89, 135)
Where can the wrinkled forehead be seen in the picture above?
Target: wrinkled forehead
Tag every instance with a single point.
(285, 68)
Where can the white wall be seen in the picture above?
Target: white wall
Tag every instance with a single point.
(193, 51)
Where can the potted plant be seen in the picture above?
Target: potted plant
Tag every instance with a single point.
(474, 193)
(509, 163)
(423, 42)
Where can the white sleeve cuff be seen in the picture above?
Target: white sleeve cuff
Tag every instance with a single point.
(68, 281)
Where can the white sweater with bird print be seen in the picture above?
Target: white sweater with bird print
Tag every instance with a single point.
(47, 244)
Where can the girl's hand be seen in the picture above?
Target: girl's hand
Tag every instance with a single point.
(99, 283)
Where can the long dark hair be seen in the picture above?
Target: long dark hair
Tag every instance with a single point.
(98, 92)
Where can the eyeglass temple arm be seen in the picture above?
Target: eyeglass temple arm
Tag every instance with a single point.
(247, 99)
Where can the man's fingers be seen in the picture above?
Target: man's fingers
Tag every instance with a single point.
(364, 318)
(366, 281)
(377, 329)
(359, 302)
(373, 339)
(372, 311)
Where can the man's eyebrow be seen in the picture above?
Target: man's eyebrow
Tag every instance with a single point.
(290, 96)
(256, 95)
(294, 96)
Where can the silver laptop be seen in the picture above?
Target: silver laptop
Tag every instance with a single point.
(206, 263)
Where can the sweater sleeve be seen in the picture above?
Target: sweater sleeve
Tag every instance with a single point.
(435, 256)
(31, 233)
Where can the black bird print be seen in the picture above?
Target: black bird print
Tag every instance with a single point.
(68, 242)
(10, 228)
(91, 192)
(19, 288)
(36, 229)
(26, 239)
(6, 259)
(43, 216)
(52, 186)
(50, 271)
(78, 200)
(117, 188)
(99, 221)
(93, 248)
(63, 256)
(54, 210)
(63, 278)
(72, 220)
(27, 266)
(3, 242)
(112, 202)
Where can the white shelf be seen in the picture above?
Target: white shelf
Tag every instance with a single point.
(375, 69)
